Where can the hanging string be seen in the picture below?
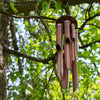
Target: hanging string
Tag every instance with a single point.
(66, 6)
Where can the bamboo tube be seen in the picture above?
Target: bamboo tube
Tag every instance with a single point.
(65, 82)
(59, 36)
(67, 56)
(67, 31)
(73, 31)
(67, 43)
(74, 54)
(77, 47)
(75, 75)
(71, 53)
(59, 46)
(60, 65)
(73, 41)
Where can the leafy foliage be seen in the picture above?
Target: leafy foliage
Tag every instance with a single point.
(37, 38)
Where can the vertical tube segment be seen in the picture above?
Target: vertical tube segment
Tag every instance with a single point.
(67, 44)
(59, 46)
(65, 82)
(59, 37)
(74, 59)
(77, 47)
(75, 75)
(73, 41)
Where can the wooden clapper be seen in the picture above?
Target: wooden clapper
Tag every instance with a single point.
(67, 24)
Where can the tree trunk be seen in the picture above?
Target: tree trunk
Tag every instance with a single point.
(3, 61)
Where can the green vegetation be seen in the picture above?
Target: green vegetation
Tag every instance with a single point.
(32, 59)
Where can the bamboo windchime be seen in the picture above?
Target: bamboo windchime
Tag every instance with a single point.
(67, 24)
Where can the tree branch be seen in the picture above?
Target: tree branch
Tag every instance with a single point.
(26, 6)
(96, 67)
(80, 39)
(14, 42)
(85, 46)
(28, 17)
(93, 25)
(90, 18)
(19, 54)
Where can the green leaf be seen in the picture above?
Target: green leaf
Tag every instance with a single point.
(45, 5)
(13, 7)
(39, 1)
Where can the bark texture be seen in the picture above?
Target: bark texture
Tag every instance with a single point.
(3, 61)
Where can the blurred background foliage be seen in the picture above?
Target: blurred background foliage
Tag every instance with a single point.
(36, 80)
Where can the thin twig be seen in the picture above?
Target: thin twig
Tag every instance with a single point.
(28, 17)
(87, 20)
(89, 44)
(93, 25)
(45, 25)
(96, 67)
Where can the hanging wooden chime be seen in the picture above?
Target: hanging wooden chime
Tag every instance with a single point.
(67, 24)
